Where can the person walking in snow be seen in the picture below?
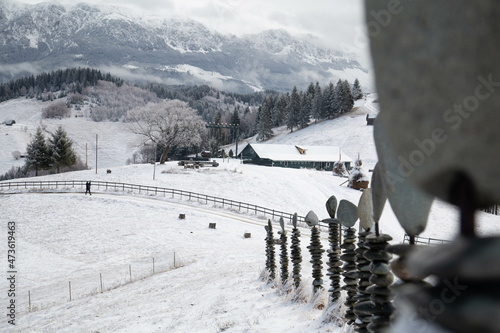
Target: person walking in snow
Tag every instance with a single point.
(87, 188)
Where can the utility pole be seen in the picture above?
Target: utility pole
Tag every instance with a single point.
(154, 168)
(96, 136)
(230, 126)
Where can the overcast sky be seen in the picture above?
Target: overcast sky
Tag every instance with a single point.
(338, 23)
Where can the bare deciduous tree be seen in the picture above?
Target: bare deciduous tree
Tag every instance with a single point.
(170, 123)
(16, 154)
(56, 109)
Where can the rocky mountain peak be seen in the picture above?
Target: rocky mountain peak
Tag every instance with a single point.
(49, 35)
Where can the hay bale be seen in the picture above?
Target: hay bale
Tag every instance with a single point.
(358, 179)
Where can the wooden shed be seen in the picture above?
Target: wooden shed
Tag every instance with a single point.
(294, 156)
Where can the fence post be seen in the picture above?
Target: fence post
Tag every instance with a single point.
(29, 300)
(130, 271)
(174, 259)
(100, 278)
(153, 266)
(70, 291)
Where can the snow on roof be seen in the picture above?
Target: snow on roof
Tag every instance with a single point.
(278, 152)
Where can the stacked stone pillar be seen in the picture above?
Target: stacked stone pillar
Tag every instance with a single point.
(284, 253)
(271, 259)
(364, 274)
(348, 215)
(295, 253)
(381, 277)
(316, 250)
(350, 273)
(366, 222)
(334, 263)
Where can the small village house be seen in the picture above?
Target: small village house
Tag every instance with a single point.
(291, 156)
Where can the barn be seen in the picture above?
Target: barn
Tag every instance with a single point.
(291, 156)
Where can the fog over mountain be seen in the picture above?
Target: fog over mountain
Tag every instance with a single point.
(177, 50)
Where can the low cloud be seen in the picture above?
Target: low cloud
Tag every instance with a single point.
(25, 68)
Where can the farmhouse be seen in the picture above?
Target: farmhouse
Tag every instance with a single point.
(290, 156)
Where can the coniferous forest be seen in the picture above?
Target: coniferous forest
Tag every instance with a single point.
(104, 97)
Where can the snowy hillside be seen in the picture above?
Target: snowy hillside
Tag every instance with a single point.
(115, 143)
(72, 237)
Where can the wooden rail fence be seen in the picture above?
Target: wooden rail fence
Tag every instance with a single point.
(43, 186)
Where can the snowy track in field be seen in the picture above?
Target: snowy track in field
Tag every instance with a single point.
(212, 211)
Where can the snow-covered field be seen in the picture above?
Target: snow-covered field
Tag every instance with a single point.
(115, 143)
(215, 285)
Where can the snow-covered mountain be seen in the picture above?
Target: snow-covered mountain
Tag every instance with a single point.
(48, 36)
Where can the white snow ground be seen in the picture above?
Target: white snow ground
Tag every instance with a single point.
(215, 286)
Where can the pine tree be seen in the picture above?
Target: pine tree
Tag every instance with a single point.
(311, 91)
(293, 110)
(61, 150)
(38, 157)
(305, 110)
(347, 98)
(356, 90)
(328, 101)
(265, 127)
(279, 112)
(256, 125)
(337, 98)
(317, 103)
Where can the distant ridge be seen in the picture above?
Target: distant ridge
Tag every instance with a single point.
(49, 36)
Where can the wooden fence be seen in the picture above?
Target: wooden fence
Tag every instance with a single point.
(44, 186)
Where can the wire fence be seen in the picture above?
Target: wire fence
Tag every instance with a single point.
(425, 241)
(233, 205)
(495, 210)
(82, 284)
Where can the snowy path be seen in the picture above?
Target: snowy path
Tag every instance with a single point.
(239, 216)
